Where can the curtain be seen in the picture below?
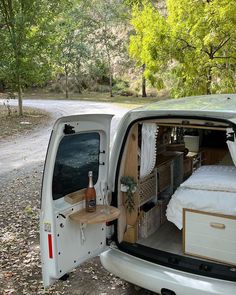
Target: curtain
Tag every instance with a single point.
(148, 148)
(231, 142)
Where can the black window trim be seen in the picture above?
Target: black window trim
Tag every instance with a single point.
(72, 135)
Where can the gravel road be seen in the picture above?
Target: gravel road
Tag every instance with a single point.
(21, 166)
(30, 150)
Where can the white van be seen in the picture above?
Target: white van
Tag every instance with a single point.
(170, 181)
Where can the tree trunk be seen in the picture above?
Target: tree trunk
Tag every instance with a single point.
(19, 90)
(209, 81)
(110, 71)
(67, 88)
(110, 83)
(144, 93)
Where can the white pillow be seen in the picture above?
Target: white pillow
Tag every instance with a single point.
(213, 178)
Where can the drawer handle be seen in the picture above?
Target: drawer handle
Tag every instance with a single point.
(217, 225)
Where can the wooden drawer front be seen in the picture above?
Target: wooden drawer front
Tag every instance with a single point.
(164, 176)
(211, 236)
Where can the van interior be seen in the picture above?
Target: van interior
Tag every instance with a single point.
(182, 176)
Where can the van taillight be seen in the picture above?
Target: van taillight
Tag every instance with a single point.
(50, 252)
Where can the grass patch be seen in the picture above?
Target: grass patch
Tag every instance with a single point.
(14, 125)
(94, 96)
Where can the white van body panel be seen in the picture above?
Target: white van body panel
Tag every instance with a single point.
(62, 242)
(135, 270)
(155, 277)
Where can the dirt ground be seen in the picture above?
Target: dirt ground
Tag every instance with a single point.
(21, 160)
(12, 124)
(20, 271)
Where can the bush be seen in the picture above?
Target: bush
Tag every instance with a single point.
(121, 87)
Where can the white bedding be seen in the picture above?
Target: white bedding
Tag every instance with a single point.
(213, 178)
(203, 200)
(209, 188)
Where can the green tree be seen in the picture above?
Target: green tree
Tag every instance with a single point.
(205, 41)
(150, 44)
(194, 46)
(133, 2)
(25, 35)
(89, 43)
(71, 42)
(108, 20)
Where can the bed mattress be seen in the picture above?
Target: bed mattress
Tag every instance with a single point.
(210, 189)
(208, 201)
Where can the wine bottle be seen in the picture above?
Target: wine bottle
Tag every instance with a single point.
(90, 194)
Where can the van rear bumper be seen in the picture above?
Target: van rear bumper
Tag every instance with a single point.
(155, 277)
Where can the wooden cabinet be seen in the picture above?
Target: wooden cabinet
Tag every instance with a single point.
(196, 158)
(192, 161)
(210, 235)
(212, 156)
(164, 176)
(187, 167)
(169, 170)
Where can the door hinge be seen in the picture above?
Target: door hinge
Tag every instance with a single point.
(68, 129)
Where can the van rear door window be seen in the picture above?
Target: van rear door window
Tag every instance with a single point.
(77, 155)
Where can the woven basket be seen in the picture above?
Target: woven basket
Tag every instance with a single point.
(149, 222)
(147, 187)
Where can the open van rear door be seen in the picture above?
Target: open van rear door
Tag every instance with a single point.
(78, 144)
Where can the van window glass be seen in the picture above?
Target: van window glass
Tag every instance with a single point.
(77, 155)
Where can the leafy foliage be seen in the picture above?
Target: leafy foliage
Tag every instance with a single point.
(86, 46)
(71, 48)
(26, 39)
(191, 50)
(107, 20)
(131, 184)
(189, 47)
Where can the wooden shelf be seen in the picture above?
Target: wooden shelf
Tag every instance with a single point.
(99, 216)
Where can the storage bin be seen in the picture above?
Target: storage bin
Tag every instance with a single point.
(164, 176)
(147, 187)
(149, 222)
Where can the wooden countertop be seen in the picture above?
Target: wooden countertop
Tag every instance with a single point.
(99, 216)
